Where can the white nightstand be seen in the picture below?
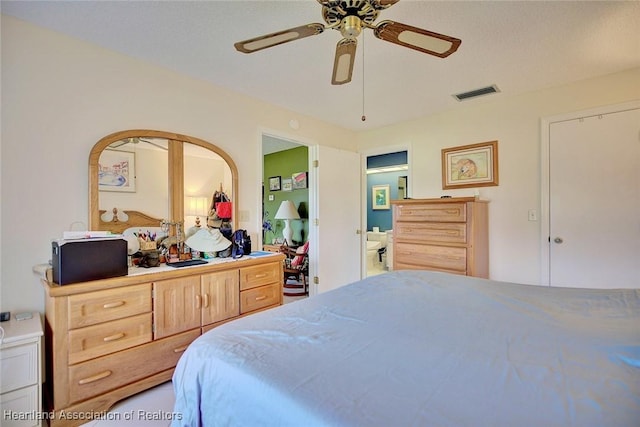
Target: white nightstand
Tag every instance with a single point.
(21, 372)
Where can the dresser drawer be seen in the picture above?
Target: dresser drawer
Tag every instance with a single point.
(407, 255)
(111, 304)
(258, 275)
(437, 212)
(442, 232)
(99, 340)
(18, 366)
(256, 298)
(106, 373)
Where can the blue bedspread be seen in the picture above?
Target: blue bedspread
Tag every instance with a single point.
(417, 348)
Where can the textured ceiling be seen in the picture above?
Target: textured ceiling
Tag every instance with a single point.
(518, 46)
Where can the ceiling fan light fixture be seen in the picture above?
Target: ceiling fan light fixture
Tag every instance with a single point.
(351, 27)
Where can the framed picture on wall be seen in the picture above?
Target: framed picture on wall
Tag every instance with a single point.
(299, 180)
(117, 171)
(380, 197)
(474, 165)
(287, 184)
(274, 183)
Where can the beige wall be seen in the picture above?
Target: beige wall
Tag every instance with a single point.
(515, 242)
(60, 96)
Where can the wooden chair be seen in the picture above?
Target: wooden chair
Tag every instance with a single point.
(296, 270)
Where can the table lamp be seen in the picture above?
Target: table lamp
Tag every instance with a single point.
(287, 211)
(196, 206)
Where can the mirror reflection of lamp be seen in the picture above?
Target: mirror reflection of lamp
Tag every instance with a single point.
(287, 211)
(196, 206)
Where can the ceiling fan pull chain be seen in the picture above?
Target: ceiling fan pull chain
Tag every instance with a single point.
(363, 116)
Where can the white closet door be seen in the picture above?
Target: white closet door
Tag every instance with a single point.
(336, 237)
(594, 201)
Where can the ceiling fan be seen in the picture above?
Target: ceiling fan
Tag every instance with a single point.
(350, 17)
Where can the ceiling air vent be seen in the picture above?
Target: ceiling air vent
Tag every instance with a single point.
(477, 92)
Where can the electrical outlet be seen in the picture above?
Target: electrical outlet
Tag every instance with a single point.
(533, 215)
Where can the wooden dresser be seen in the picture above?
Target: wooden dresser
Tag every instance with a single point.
(449, 235)
(109, 339)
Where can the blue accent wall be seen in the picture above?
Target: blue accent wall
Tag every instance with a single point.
(383, 218)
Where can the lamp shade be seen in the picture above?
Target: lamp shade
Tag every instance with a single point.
(287, 210)
(196, 206)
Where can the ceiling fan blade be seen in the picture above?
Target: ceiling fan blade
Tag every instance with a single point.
(417, 38)
(343, 63)
(274, 39)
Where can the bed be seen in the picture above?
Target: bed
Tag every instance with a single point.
(419, 348)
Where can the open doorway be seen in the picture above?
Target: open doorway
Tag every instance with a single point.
(328, 227)
(285, 207)
(285, 179)
(387, 178)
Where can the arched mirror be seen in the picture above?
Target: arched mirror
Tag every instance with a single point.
(138, 178)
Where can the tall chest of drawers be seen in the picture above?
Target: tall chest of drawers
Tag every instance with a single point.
(109, 339)
(448, 234)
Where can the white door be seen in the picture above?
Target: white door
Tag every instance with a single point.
(335, 218)
(594, 201)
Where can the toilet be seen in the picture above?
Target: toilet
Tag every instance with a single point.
(375, 240)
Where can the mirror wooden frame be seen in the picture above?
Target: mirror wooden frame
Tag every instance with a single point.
(175, 172)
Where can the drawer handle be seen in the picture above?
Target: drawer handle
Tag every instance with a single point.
(113, 304)
(206, 301)
(260, 298)
(94, 378)
(260, 276)
(180, 349)
(198, 301)
(452, 211)
(113, 337)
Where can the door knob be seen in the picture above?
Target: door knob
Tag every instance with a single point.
(558, 240)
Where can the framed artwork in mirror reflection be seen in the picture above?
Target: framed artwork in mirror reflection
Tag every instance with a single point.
(117, 171)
